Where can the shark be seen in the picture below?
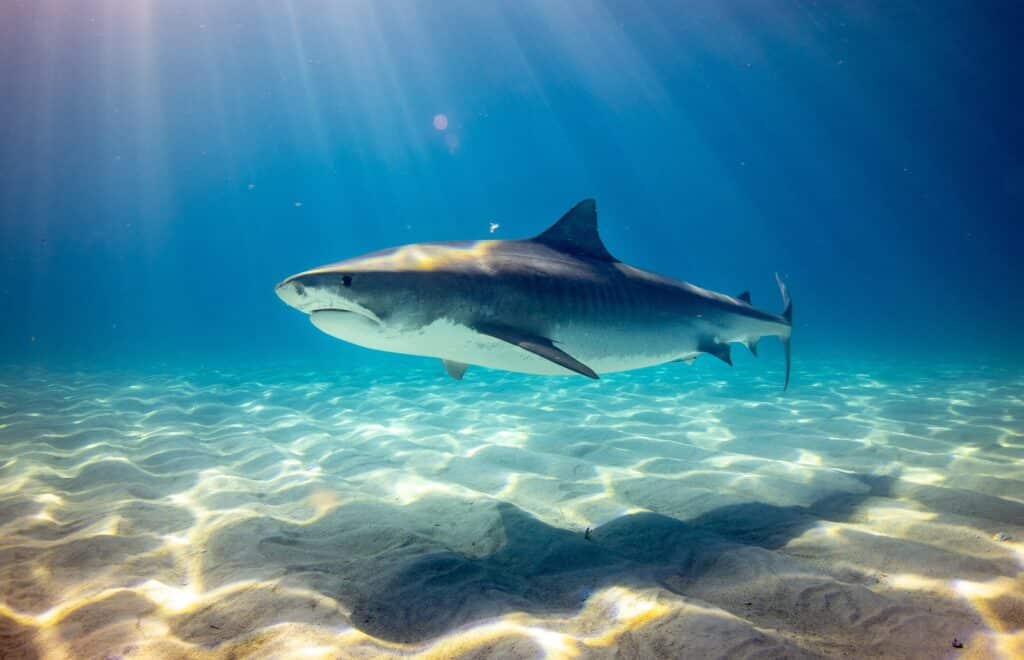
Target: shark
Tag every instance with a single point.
(555, 304)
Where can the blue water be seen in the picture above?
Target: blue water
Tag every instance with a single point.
(154, 154)
(187, 466)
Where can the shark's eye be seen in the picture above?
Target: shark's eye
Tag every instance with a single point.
(346, 280)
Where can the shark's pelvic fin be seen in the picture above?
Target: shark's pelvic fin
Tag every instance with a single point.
(541, 346)
(752, 345)
(745, 297)
(455, 369)
(787, 313)
(716, 348)
(576, 233)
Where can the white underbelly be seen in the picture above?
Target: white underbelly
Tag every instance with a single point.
(451, 341)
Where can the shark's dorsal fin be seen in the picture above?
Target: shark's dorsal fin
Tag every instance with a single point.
(745, 297)
(576, 233)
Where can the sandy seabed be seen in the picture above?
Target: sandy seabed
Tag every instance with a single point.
(305, 514)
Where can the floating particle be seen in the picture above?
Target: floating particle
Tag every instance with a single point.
(298, 205)
(440, 122)
(252, 186)
(494, 227)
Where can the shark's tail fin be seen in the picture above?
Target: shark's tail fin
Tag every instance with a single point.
(787, 313)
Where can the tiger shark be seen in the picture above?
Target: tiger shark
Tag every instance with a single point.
(555, 304)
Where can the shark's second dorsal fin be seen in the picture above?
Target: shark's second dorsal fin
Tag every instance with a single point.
(576, 233)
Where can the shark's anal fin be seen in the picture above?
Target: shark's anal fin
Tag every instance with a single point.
(716, 348)
(541, 346)
(455, 369)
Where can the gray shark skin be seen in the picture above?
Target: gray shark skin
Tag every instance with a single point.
(556, 304)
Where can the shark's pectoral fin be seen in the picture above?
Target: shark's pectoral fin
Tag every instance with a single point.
(716, 348)
(455, 369)
(541, 346)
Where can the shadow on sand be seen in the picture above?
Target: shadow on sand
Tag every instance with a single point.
(412, 573)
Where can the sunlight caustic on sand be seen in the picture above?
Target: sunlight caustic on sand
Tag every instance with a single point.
(327, 512)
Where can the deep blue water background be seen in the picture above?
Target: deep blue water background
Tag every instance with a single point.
(153, 156)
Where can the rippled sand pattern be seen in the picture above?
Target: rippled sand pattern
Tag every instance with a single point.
(269, 514)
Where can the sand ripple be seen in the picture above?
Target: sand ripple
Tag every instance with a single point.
(297, 512)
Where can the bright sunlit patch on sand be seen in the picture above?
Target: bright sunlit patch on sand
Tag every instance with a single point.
(172, 599)
(902, 515)
(181, 499)
(555, 645)
(510, 437)
(511, 484)
(1000, 602)
(629, 611)
(408, 489)
(630, 607)
(175, 540)
(324, 500)
(913, 582)
(979, 590)
(923, 476)
(805, 457)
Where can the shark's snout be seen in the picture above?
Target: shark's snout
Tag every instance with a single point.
(292, 292)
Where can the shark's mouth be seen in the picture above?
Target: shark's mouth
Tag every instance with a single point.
(355, 311)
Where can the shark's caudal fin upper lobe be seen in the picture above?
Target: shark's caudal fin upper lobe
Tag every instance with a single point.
(787, 313)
